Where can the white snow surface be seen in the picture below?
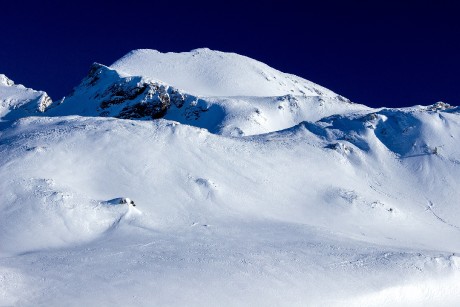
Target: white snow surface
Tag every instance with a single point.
(4, 80)
(205, 72)
(353, 207)
(108, 92)
(18, 101)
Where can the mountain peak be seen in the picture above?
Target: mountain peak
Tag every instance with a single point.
(202, 50)
(206, 72)
(4, 80)
(110, 91)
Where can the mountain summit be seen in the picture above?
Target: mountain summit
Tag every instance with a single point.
(225, 93)
(205, 72)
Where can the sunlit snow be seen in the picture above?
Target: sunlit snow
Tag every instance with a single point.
(275, 191)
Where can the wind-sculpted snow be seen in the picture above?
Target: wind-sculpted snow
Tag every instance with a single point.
(405, 132)
(131, 191)
(283, 211)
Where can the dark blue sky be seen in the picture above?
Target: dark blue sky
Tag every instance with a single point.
(380, 53)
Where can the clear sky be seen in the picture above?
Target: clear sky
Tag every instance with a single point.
(379, 53)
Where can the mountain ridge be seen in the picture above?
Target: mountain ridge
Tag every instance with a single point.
(18, 101)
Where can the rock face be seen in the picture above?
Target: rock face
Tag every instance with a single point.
(105, 92)
(43, 102)
(120, 201)
(440, 106)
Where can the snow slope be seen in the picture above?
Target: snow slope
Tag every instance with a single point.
(18, 101)
(205, 72)
(112, 92)
(288, 211)
(353, 207)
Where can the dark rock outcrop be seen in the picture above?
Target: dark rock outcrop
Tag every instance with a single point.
(106, 92)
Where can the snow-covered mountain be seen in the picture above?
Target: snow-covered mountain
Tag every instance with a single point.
(318, 201)
(17, 101)
(205, 72)
(142, 86)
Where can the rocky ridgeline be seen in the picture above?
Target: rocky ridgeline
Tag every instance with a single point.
(105, 92)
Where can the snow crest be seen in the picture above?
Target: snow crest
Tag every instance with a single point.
(205, 72)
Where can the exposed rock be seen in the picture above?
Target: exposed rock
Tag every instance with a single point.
(128, 97)
(120, 201)
(439, 106)
(44, 102)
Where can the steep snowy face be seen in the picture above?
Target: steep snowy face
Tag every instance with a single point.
(17, 101)
(205, 72)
